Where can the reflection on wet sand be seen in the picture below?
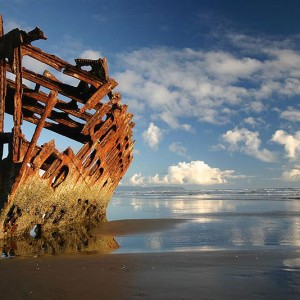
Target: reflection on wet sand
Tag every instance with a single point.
(96, 238)
(70, 240)
(134, 226)
(225, 219)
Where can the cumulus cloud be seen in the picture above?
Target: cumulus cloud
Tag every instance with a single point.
(208, 85)
(247, 142)
(194, 172)
(290, 142)
(292, 174)
(153, 135)
(291, 114)
(137, 179)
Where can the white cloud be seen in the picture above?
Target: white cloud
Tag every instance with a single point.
(179, 149)
(225, 64)
(194, 172)
(254, 122)
(90, 54)
(256, 107)
(247, 142)
(291, 143)
(250, 120)
(136, 104)
(291, 114)
(209, 86)
(137, 179)
(292, 174)
(177, 83)
(152, 136)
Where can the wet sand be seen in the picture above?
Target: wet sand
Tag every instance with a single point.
(198, 275)
(219, 274)
(134, 226)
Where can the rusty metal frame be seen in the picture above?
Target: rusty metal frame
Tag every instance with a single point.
(79, 185)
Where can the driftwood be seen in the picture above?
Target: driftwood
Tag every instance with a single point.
(40, 184)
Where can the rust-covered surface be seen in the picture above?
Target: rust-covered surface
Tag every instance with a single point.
(40, 184)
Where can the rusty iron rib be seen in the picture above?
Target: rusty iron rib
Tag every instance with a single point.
(48, 108)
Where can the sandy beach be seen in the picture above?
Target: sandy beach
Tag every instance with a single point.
(221, 274)
(198, 275)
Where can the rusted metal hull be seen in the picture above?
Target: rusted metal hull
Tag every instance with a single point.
(38, 183)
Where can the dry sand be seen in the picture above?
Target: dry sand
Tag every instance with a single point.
(176, 275)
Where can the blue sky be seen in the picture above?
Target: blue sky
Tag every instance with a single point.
(214, 85)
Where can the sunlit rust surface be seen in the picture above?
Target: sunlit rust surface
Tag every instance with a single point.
(38, 183)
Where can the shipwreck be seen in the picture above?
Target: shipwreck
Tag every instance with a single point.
(40, 185)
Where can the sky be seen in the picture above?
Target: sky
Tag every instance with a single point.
(214, 85)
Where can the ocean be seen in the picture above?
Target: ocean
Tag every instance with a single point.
(224, 219)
